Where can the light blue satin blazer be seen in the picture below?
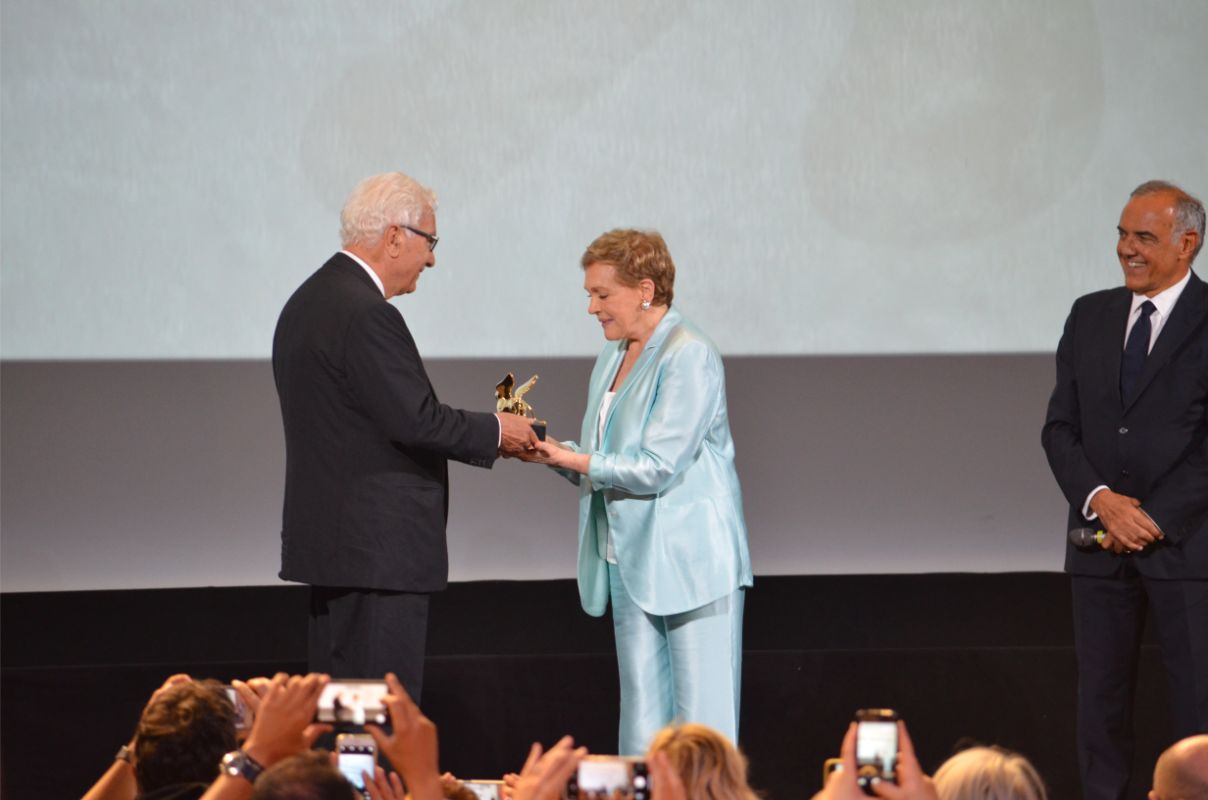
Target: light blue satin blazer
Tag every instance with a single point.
(665, 471)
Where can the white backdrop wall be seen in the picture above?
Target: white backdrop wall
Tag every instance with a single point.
(863, 176)
(880, 210)
(160, 474)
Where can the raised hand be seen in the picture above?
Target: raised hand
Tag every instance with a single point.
(413, 747)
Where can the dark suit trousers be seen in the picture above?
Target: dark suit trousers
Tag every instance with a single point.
(362, 633)
(1109, 616)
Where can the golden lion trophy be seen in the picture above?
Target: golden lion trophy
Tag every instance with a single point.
(509, 399)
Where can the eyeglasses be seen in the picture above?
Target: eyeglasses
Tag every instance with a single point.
(432, 240)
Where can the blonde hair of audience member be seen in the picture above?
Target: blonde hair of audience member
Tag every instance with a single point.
(709, 765)
(988, 773)
(1182, 771)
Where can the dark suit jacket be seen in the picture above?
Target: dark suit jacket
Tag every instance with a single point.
(366, 440)
(1152, 446)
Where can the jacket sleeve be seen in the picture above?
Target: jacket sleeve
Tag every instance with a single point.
(689, 389)
(1062, 433)
(387, 377)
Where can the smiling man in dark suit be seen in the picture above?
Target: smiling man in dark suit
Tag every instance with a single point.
(367, 441)
(1127, 438)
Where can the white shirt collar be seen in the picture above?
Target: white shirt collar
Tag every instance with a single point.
(1164, 300)
(378, 281)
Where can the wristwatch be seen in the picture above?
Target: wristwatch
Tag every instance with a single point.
(239, 764)
(124, 753)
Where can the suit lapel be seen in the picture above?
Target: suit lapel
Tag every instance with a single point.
(1187, 313)
(671, 319)
(1114, 321)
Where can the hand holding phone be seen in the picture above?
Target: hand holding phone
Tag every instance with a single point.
(876, 746)
(356, 753)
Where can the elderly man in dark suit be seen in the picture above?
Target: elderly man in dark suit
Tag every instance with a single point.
(1127, 438)
(366, 478)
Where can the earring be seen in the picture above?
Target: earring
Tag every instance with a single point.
(645, 305)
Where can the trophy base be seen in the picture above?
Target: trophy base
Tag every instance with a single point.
(539, 428)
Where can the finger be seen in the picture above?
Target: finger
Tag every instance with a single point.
(396, 688)
(249, 697)
(887, 789)
(379, 737)
(313, 685)
(534, 756)
(563, 764)
(396, 783)
(906, 752)
(259, 685)
(847, 751)
(372, 787)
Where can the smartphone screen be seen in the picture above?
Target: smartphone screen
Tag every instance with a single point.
(353, 702)
(610, 778)
(485, 790)
(243, 714)
(354, 759)
(877, 745)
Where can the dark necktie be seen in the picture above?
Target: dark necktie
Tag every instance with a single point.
(1135, 350)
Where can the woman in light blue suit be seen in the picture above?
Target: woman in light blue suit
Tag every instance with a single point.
(661, 530)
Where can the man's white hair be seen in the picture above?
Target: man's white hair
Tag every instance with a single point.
(380, 201)
(1188, 210)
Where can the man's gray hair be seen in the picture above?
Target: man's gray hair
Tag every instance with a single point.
(378, 202)
(1188, 211)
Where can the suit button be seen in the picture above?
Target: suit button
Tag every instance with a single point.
(1124, 473)
(1123, 430)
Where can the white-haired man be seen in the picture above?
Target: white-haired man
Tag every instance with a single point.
(367, 441)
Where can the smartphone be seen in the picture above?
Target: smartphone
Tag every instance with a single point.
(356, 753)
(353, 702)
(485, 790)
(609, 778)
(243, 714)
(876, 746)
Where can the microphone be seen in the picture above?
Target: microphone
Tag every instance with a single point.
(1086, 538)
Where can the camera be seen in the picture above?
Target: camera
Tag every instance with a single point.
(353, 702)
(356, 753)
(243, 714)
(876, 746)
(485, 790)
(609, 778)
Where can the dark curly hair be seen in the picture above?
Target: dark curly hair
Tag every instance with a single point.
(183, 735)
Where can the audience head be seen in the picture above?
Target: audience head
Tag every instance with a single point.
(306, 776)
(1182, 771)
(182, 735)
(709, 765)
(988, 773)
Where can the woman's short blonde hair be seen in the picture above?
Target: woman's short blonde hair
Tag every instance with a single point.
(988, 773)
(709, 765)
(636, 255)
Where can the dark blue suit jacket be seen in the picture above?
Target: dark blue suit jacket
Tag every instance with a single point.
(366, 440)
(1152, 446)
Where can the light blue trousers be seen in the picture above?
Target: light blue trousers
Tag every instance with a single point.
(678, 668)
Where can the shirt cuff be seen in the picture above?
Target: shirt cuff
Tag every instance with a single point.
(1087, 514)
(499, 438)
